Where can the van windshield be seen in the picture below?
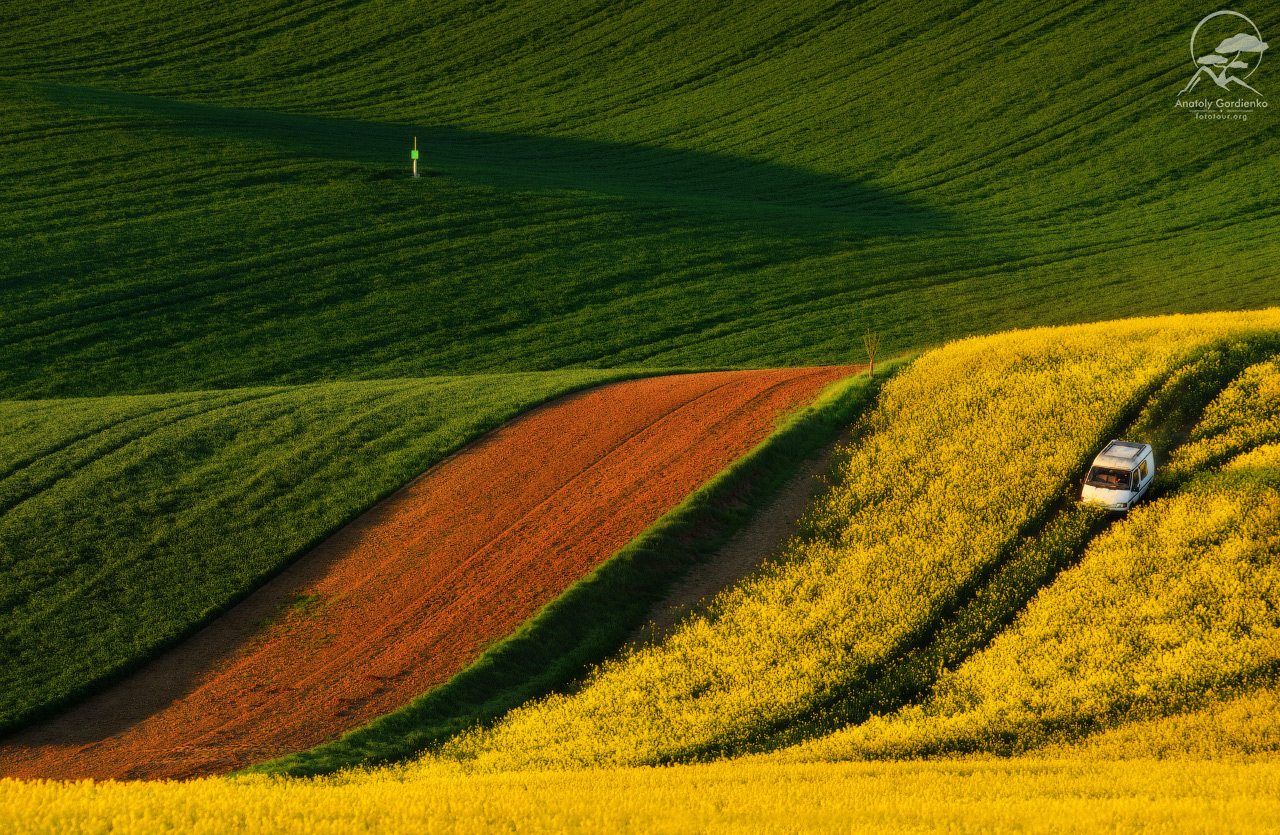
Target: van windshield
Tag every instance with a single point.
(1108, 478)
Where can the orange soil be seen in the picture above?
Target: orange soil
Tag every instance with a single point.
(414, 590)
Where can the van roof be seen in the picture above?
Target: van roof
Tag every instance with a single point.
(1120, 454)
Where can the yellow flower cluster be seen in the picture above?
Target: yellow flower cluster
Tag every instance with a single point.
(1243, 728)
(738, 797)
(967, 447)
(1244, 415)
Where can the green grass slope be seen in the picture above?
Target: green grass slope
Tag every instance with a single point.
(214, 196)
(127, 522)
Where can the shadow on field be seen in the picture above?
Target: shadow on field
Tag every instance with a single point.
(769, 191)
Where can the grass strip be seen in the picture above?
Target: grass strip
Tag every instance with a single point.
(594, 617)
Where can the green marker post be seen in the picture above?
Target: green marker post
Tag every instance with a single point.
(414, 156)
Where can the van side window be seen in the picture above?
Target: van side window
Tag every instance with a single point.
(1143, 470)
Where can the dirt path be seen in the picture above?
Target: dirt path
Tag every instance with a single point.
(413, 590)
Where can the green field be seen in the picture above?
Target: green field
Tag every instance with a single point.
(200, 197)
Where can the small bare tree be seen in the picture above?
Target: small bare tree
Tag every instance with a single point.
(871, 343)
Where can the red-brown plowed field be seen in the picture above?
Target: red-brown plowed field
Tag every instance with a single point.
(412, 591)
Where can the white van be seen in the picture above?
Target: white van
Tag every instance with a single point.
(1120, 475)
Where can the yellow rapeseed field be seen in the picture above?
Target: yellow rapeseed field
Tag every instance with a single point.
(969, 446)
(745, 797)
(1174, 607)
(1161, 642)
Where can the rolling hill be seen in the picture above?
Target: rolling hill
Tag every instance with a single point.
(205, 196)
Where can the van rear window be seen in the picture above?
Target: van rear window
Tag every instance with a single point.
(1108, 478)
